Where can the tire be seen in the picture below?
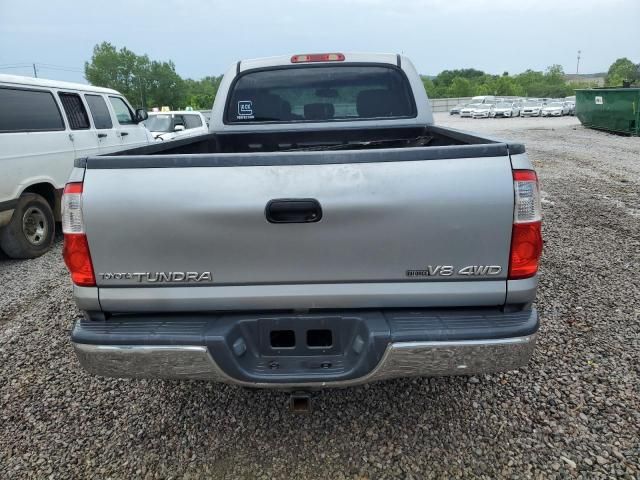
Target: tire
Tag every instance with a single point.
(30, 232)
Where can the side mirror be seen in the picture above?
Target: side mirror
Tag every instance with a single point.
(141, 115)
(178, 128)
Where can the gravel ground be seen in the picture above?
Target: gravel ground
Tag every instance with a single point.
(574, 412)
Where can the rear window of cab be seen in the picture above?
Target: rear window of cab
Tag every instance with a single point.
(320, 93)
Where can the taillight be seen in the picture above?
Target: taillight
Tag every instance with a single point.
(72, 221)
(526, 236)
(78, 260)
(76, 248)
(318, 57)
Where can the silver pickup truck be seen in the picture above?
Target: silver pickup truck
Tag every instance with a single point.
(323, 233)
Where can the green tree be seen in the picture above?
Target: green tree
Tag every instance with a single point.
(151, 83)
(507, 86)
(532, 83)
(428, 84)
(164, 86)
(460, 87)
(622, 70)
(446, 77)
(555, 73)
(483, 89)
(145, 83)
(121, 70)
(201, 93)
(433, 90)
(555, 84)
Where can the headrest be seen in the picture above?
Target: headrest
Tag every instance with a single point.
(268, 105)
(375, 103)
(318, 111)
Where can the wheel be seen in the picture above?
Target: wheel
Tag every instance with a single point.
(30, 232)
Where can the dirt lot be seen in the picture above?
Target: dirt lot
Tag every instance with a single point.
(574, 412)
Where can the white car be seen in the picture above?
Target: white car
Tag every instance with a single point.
(571, 106)
(467, 111)
(456, 110)
(555, 109)
(482, 111)
(531, 109)
(44, 126)
(176, 124)
(505, 109)
(571, 103)
(517, 107)
(482, 99)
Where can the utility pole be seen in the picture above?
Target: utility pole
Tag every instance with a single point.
(578, 64)
(35, 71)
(141, 93)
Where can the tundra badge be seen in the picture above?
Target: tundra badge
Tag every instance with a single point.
(159, 277)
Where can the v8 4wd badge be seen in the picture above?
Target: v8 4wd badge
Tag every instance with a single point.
(450, 270)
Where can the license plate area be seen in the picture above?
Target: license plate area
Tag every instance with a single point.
(300, 347)
(306, 336)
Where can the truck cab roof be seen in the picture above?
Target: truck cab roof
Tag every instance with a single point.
(282, 60)
(377, 89)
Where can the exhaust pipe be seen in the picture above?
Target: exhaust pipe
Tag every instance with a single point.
(300, 402)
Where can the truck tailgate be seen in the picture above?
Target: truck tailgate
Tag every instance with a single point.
(436, 220)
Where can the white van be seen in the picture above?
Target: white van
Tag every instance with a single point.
(44, 126)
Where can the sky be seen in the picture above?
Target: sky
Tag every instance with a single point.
(204, 37)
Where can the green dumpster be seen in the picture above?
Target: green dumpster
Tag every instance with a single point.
(610, 109)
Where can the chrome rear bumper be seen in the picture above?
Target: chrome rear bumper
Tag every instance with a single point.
(400, 359)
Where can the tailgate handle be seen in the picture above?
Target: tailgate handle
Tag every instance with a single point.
(293, 210)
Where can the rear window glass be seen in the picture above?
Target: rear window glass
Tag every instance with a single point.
(99, 111)
(320, 94)
(193, 121)
(159, 123)
(28, 111)
(76, 113)
(123, 112)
